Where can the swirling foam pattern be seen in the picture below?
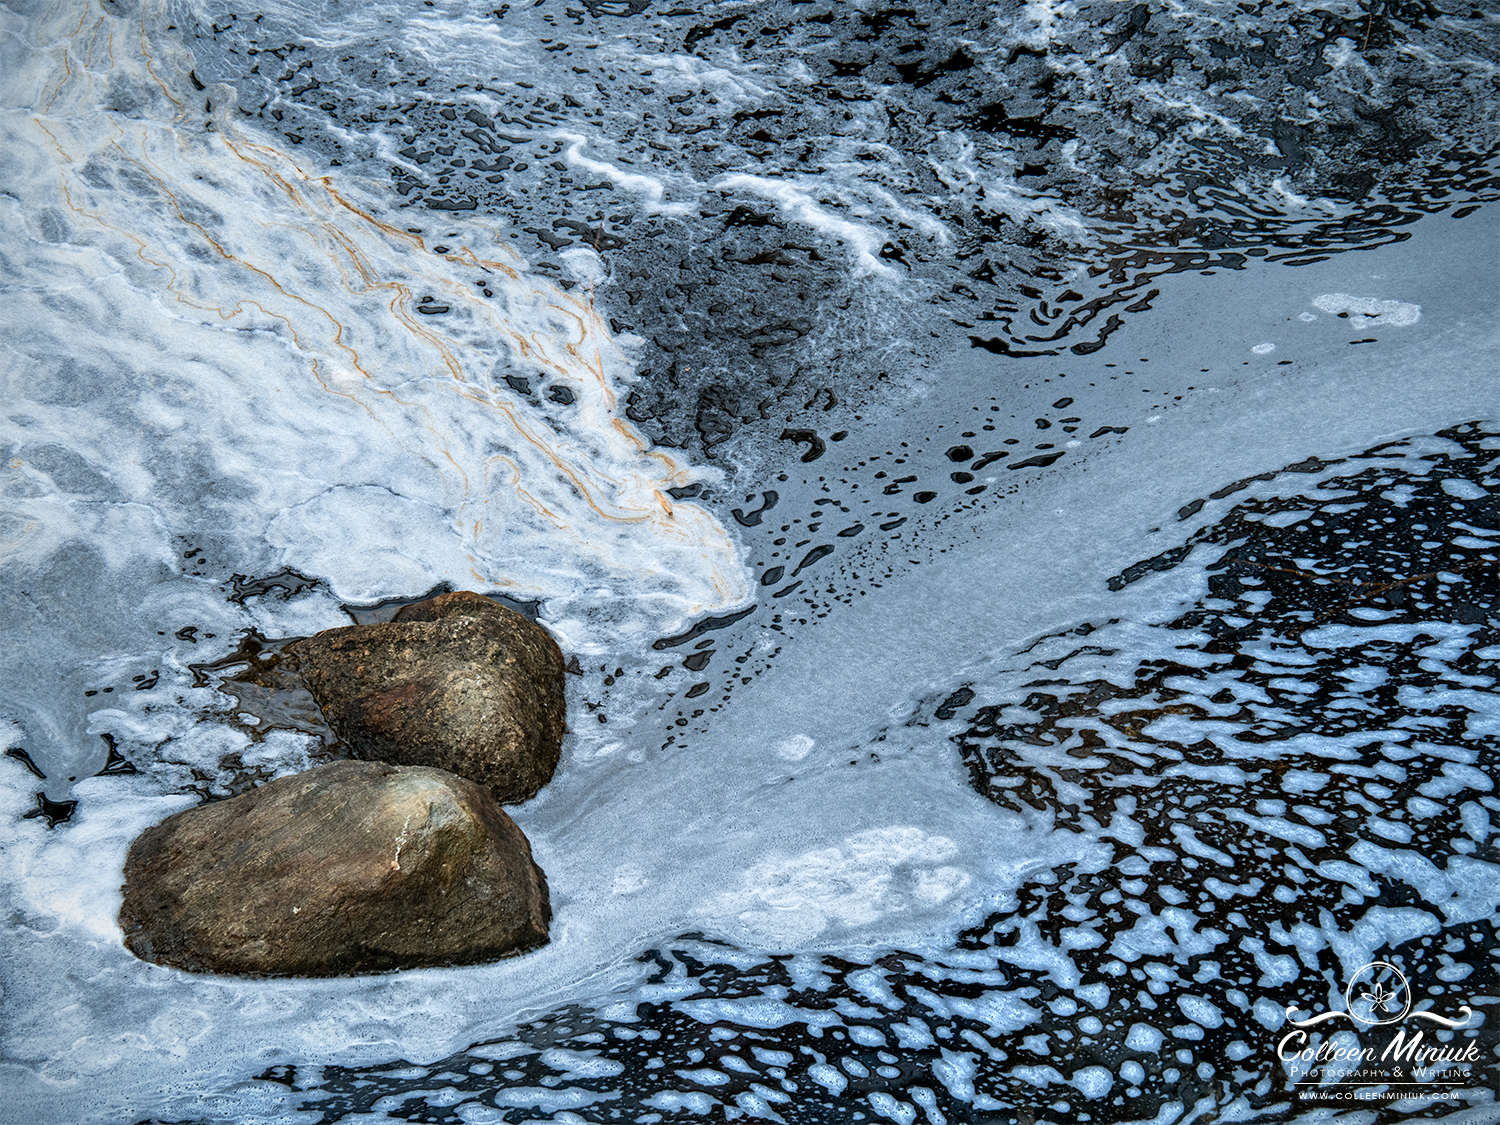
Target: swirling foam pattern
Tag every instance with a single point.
(222, 312)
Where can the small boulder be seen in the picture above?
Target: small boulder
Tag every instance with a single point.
(457, 682)
(352, 867)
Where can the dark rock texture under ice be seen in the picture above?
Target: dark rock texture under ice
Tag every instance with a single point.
(348, 868)
(457, 682)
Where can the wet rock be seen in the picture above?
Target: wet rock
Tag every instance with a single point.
(351, 867)
(457, 682)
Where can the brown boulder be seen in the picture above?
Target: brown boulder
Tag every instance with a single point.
(351, 867)
(457, 682)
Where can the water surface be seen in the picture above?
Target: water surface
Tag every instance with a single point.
(1016, 485)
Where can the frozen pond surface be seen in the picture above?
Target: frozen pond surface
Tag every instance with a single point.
(1020, 487)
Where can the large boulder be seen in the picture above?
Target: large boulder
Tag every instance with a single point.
(457, 682)
(347, 868)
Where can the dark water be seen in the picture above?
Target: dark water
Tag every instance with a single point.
(980, 155)
(875, 279)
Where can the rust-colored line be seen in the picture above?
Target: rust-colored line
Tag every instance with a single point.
(231, 257)
(146, 57)
(1375, 588)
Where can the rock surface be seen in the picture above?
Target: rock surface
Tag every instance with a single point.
(457, 682)
(350, 867)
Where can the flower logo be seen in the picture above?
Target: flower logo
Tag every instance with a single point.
(1384, 1001)
(1378, 994)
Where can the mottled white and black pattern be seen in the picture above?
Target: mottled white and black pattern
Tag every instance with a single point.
(1016, 485)
(1306, 782)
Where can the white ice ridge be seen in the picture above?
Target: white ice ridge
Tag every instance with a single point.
(1397, 314)
(862, 242)
(650, 188)
(344, 382)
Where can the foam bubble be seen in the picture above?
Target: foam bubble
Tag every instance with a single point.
(1377, 313)
(796, 748)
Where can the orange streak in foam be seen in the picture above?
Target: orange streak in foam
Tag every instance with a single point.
(147, 59)
(338, 339)
(585, 320)
(61, 82)
(468, 257)
(367, 279)
(449, 360)
(385, 228)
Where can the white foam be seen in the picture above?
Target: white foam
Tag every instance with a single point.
(953, 158)
(1461, 489)
(386, 467)
(790, 901)
(1144, 1037)
(862, 242)
(796, 748)
(651, 189)
(670, 1100)
(1377, 313)
(280, 317)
